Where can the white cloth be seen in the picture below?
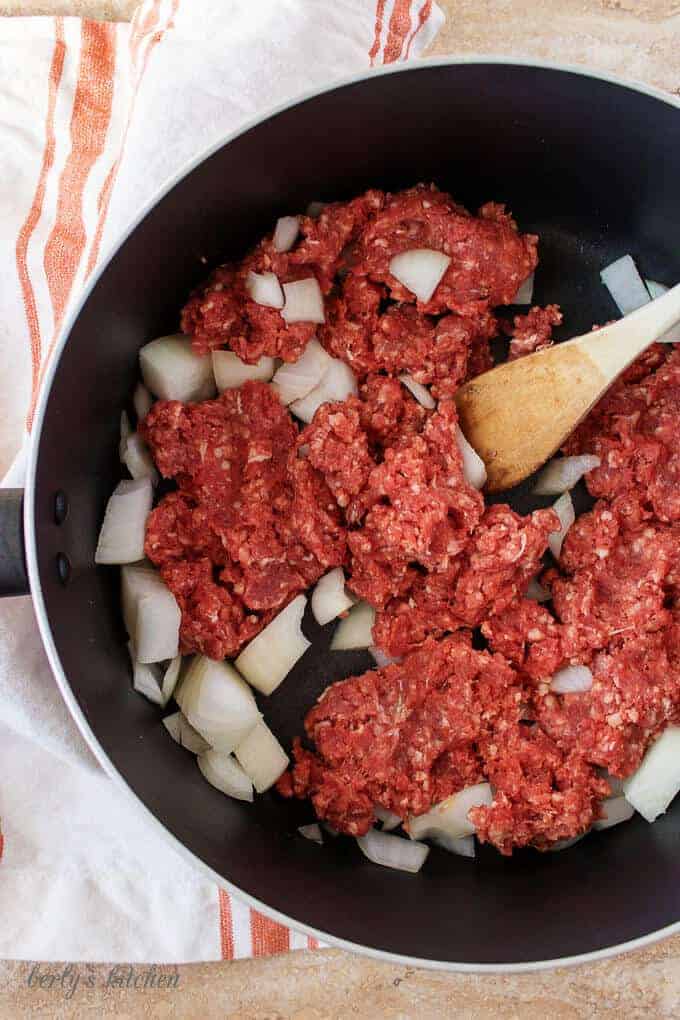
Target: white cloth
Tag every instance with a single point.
(82, 875)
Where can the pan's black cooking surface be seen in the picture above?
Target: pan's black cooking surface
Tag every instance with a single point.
(590, 166)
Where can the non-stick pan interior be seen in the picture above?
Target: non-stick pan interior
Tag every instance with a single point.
(592, 167)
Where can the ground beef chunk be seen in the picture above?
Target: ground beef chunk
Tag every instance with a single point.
(389, 414)
(493, 572)
(528, 636)
(220, 312)
(403, 735)
(634, 431)
(489, 258)
(541, 793)
(533, 331)
(246, 505)
(635, 692)
(338, 447)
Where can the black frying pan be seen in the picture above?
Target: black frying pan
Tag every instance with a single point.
(590, 164)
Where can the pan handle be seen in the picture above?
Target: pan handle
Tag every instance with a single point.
(13, 575)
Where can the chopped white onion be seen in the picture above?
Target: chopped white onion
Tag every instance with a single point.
(294, 380)
(304, 301)
(525, 293)
(311, 832)
(314, 209)
(536, 592)
(338, 383)
(151, 614)
(224, 773)
(270, 656)
(173, 371)
(656, 782)
(355, 631)
(393, 851)
(388, 818)
(420, 270)
(564, 508)
(571, 680)
(125, 433)
(657, 290)
(562, 473)
(474, 469)
(615, 783)
(449, 818)
(146, 678)
(381, 658)
(261, 757)
(420, 392)
(121, 538)
(142, 401)
(181, 731)
(329, 598)
(218, 703)
(264, 289)
(463, 846)
(170, 678)
(231, 372)
(138, 459)
(285, 233)
(616, 810)
(624, 283)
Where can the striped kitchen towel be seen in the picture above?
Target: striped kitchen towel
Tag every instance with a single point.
(94, 117)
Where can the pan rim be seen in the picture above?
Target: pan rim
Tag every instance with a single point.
(32, 553)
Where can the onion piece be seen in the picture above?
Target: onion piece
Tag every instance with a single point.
(571, 680)
(294, 380)
(657, 290)
(615, 783)
(388, 818)
(231, 372)
(329, 598)
(303, 301)
(338, 383)
(420, 392)
(393, 851)
(142, 401)
(171, 369)
(170, 678)
(138, 459)
(261, 757)
(462, 846)
(449, 818)
(624, 283)
(536, 592)
(218, 703)
(183, 733)
(146, 678)
(562, 473)
(121, 538)
(474, 469)
(564, 508)
(224, 773)
(656, 782)
(264, 289)
(151, 614)
(381, 658)
(312, 832)
(616, 810)
(525, 293)
(125, 433)
(355, 631)
(420, 270)
(285, 233)
(270, 656)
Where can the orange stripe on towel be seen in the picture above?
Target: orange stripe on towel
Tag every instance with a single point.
(34, 213)
(267, 937)
(375, 48)
(399, 26)
(226, 927)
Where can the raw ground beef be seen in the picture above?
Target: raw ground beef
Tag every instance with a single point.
(264, 506)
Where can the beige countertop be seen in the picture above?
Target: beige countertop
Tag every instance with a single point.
(635, 38)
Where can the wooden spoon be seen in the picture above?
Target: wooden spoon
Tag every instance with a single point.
(518, 414)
